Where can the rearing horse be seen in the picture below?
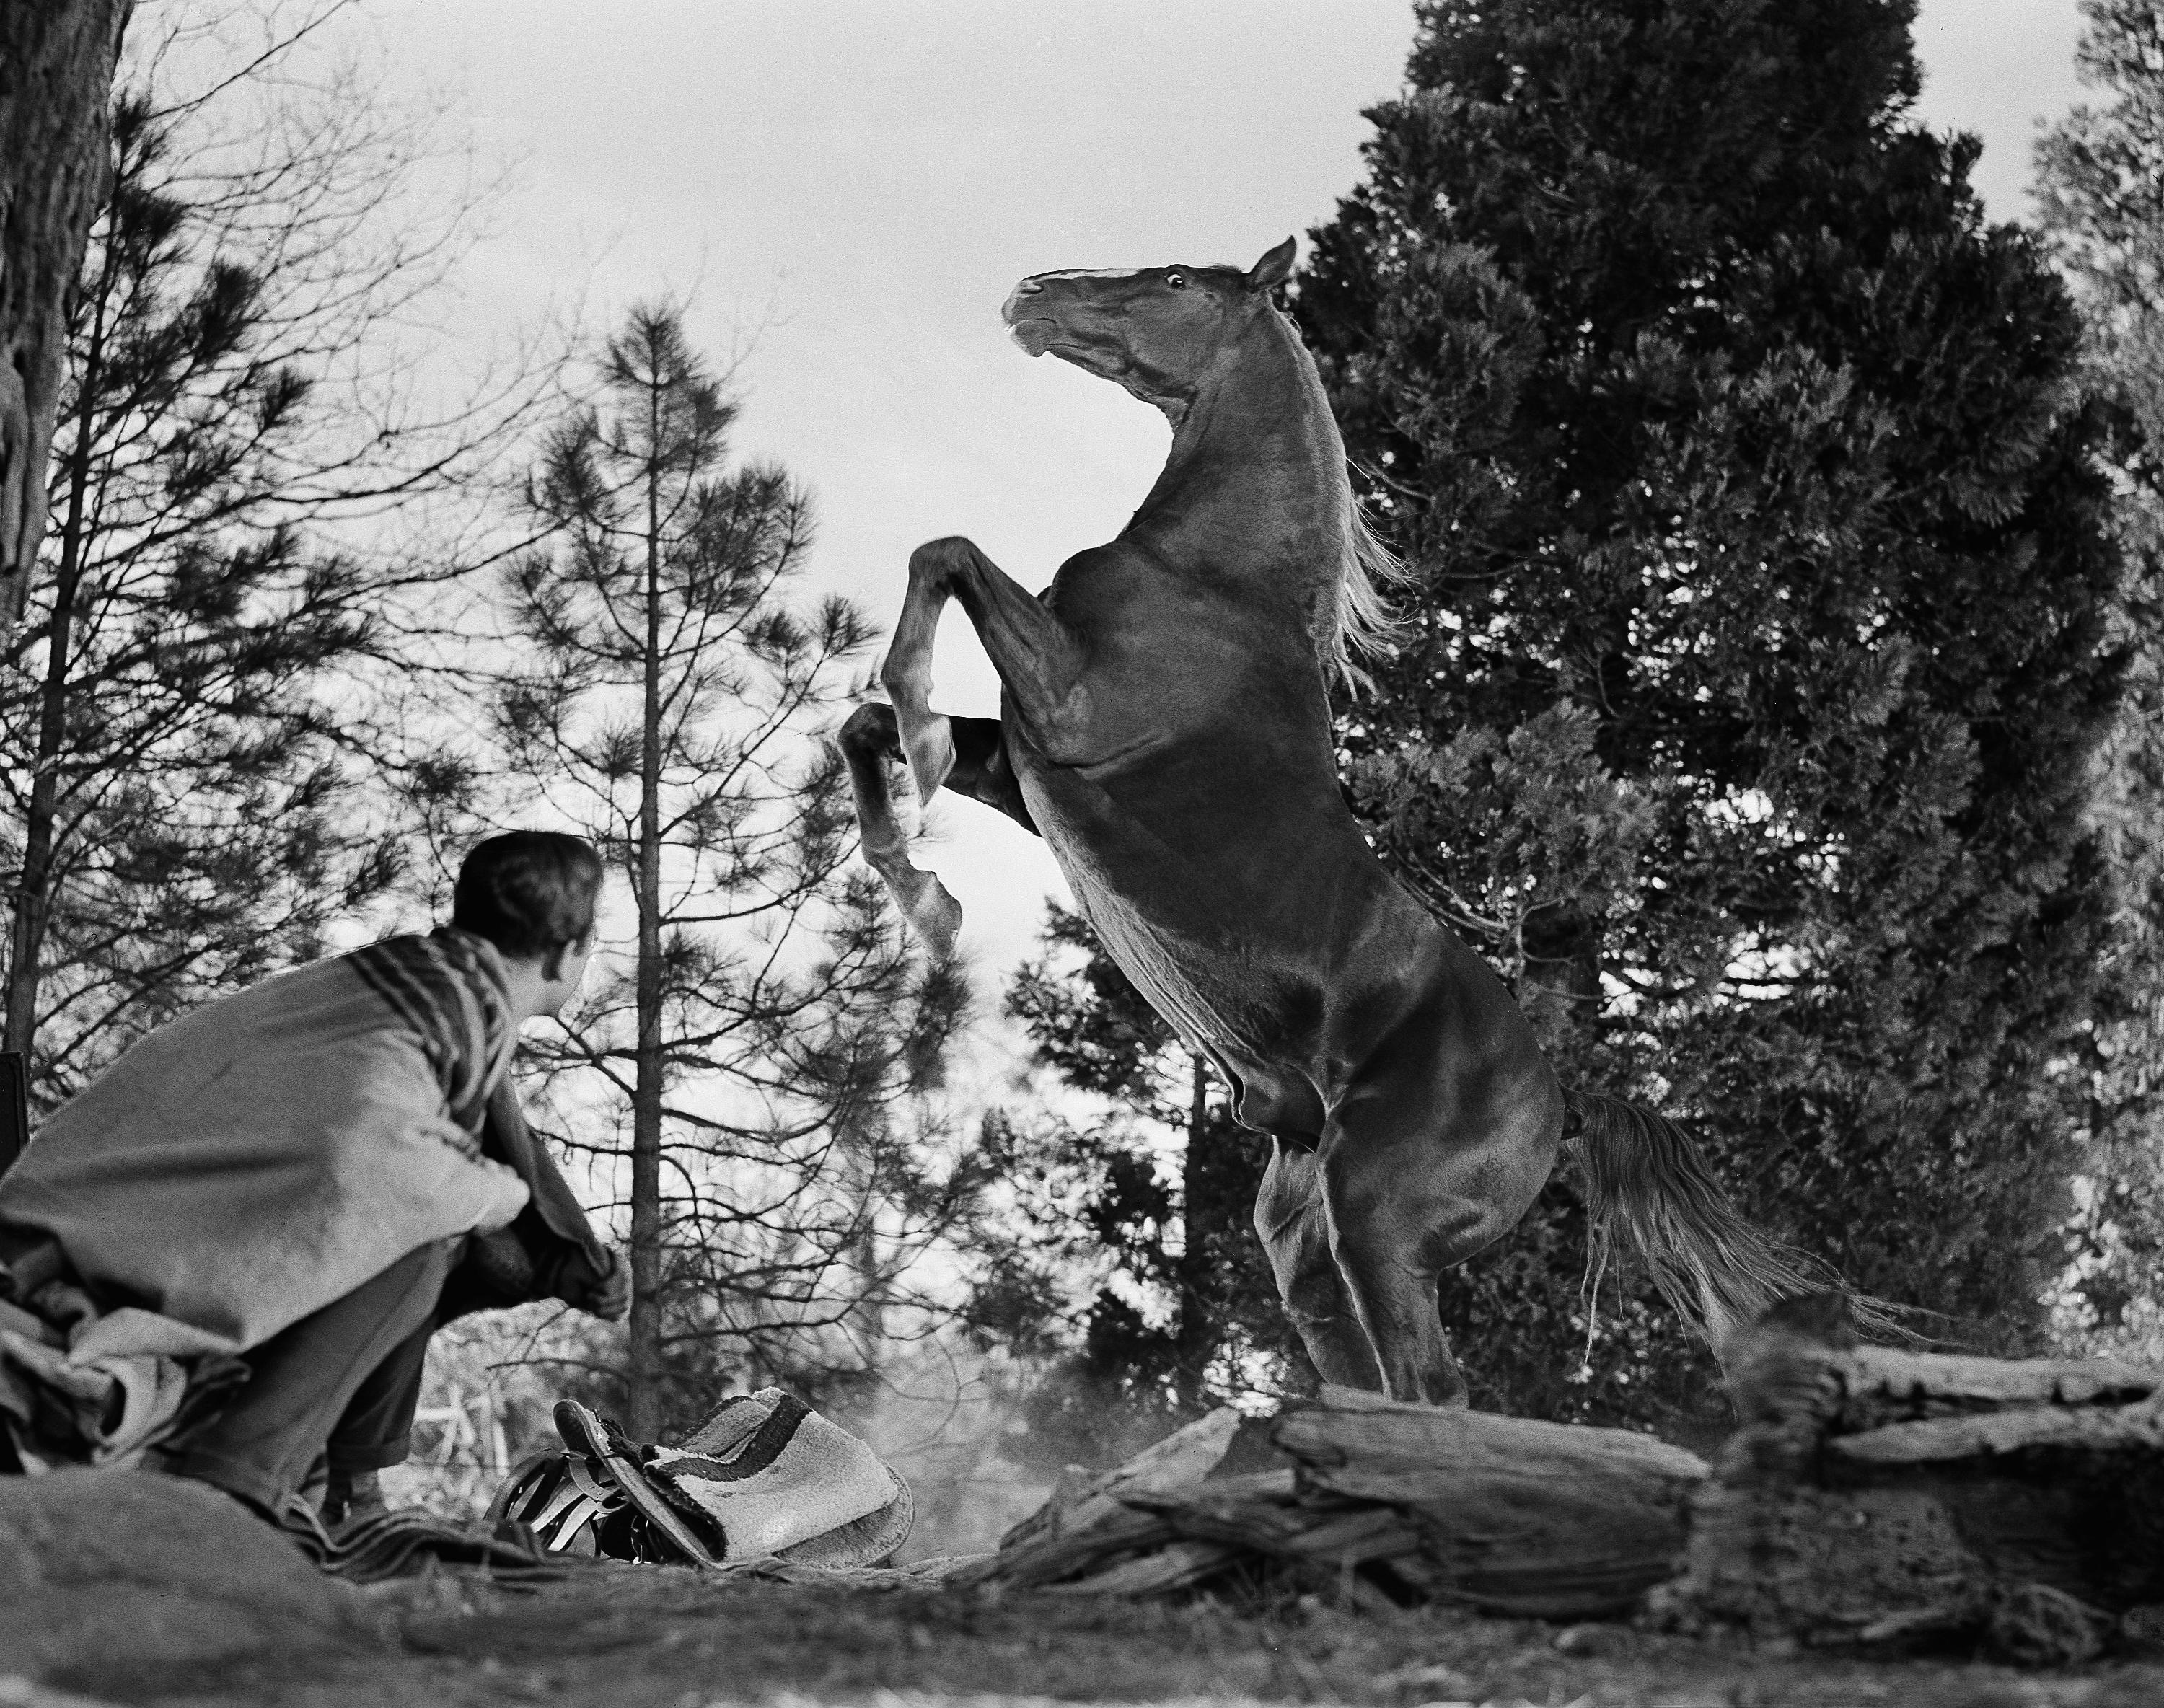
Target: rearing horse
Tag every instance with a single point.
(1165, 727)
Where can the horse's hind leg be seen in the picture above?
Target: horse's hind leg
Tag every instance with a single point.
(1296, 1234)
(1408, 1198)
(1390, 1267)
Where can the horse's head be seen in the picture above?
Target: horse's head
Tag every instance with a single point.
(1159, 331)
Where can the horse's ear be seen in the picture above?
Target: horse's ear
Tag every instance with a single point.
(1273, 269)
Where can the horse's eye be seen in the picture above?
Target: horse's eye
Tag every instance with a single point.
(1177, 281)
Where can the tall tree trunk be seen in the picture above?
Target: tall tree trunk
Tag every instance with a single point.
(865, 1319)
(34, 882)
(867, 1313)
(57, 59)
(645, 1377)
(1194, 1337)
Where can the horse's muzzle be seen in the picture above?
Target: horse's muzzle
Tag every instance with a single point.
(1035, 336)
(1034, 332)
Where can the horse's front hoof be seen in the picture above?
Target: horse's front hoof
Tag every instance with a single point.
(934, 915)
(931, 760)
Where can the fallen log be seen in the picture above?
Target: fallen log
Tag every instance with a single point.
(1869, 1495)
(1507, 1514)
(1875, 1494)
(1391, 1503)
(1270, 1518)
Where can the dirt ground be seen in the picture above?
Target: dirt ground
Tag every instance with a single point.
(646, 1637)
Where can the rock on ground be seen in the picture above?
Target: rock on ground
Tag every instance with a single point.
(108, 1578)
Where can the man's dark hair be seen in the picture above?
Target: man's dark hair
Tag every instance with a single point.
(528, 892)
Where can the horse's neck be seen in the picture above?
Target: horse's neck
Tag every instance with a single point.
(1256, 477)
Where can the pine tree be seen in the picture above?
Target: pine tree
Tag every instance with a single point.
(757, 1052)
(2100, 190)
(1148, 1202)
(187, 727)
(1746, 702)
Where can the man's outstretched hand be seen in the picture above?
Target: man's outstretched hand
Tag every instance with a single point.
(611, 1296)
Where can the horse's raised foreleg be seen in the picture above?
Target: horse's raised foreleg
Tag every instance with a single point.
(867, 743)
(1039, 658)
(976, 767)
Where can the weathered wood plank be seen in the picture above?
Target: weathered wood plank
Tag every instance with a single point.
(1935, 1382)
(1351, 1538)
(1982, 1435)
(1801, 1370)
(1365, 1453)
(1053, 1557)
(1509, 1514)
(1176, 1566)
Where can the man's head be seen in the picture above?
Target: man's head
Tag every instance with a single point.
(532, 894)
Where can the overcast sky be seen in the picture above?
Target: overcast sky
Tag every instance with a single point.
(870, 177)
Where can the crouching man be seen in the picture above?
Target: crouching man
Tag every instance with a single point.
(309, 1177)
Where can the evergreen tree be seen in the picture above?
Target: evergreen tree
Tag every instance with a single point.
(761, 1041)
(1150, 1204)
(2100, 190)
(188, 719)
(1757, 652)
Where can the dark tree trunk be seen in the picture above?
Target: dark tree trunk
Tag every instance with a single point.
(1196, 1332)
(645, 1399)
(57, 59)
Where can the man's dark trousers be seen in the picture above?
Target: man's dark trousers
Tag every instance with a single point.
(342, 1382)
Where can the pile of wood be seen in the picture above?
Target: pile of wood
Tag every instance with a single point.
(1867, 1494)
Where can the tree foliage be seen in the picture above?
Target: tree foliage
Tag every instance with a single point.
(749, 1063)
(2100, 192)
(188, 724)
(1745, 707)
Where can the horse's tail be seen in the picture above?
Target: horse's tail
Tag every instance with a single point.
(1648, 1184)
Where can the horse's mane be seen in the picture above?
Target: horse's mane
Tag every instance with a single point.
(1356, 618)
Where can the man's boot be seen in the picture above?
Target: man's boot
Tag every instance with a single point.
(352, 1498)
